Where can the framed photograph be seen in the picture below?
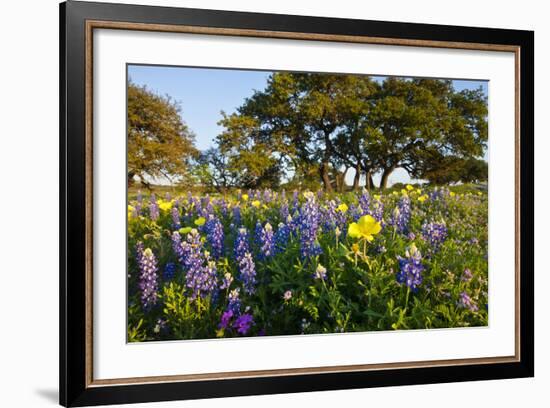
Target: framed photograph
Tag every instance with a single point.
(256, 204)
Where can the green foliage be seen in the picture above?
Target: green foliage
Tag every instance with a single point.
(360, 293)
(159, 142)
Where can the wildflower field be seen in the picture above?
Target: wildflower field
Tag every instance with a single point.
(255, 263)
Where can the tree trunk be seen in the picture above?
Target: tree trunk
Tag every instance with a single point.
(131, 178)
(325, 177)
(369, 183)
(357, 178)
(385, 176)
(342, 180)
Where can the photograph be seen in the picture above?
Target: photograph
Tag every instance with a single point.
(279, 203)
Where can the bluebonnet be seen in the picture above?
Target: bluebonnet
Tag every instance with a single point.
(179, 250)
(411, 268)
(139, 203)
(234, 302)
(295, 202)
(309, 226)
(148, 277)
(465, 301)
(401, 215)
(364, 203)
(377, 210)
(320, 272)
(283, 211)
(267, 241)
(281, 238)
(434, 233)
(237, 215)
(329, 214)
(215, 236)
(247, 270)
(241, 244)
(201, 272)
(227, 280)
(169, 271)
(154, 208)
(175, 217)
(467, 275)
(206, 207)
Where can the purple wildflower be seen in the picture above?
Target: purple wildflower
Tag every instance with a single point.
(364, 203)
(467, 302)
(234, 302)
(201, 271)
(175, 217)
(320, 272)
(434, 233)
(309, 226)
(226, 319)
(243, 323)
(215, 236)
(411, 268)
(267, 241)
(169, 271)
(237, 215)
(154, 208)
(402, 215)
(467, 275)
(281, 238)
(148, 284)
(241, 244)
(247, 270)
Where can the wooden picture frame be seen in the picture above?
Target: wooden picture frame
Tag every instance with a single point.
(78, 20)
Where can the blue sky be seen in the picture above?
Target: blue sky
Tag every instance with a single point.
(203, 93)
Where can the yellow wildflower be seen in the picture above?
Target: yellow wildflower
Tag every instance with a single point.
(452, 193)
(409, 187)
(256, 203)
(245, 197)
(377, 197)
(200, 221)
(418, 191)
(342, 207)
(355, 248)
(165, 205)
(422, 198)
(365, 228)
(403, 191)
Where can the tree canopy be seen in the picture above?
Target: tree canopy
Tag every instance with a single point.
(160, 145)
(333, 122)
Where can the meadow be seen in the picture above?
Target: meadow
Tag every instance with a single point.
(263, 263)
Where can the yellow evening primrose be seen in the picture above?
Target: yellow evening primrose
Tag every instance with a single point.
(395, 193)
(418, 191)
(185, 230)
(164, 205)
(422, 198)
(403, 191)
(200, 221)
(365, 228)
(342, 207)
(452, 193)
(256, 203)
(377, 197)
(355, 248)
(245, 197)
(409, 187)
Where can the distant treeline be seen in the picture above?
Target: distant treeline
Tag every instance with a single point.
(309, 130)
